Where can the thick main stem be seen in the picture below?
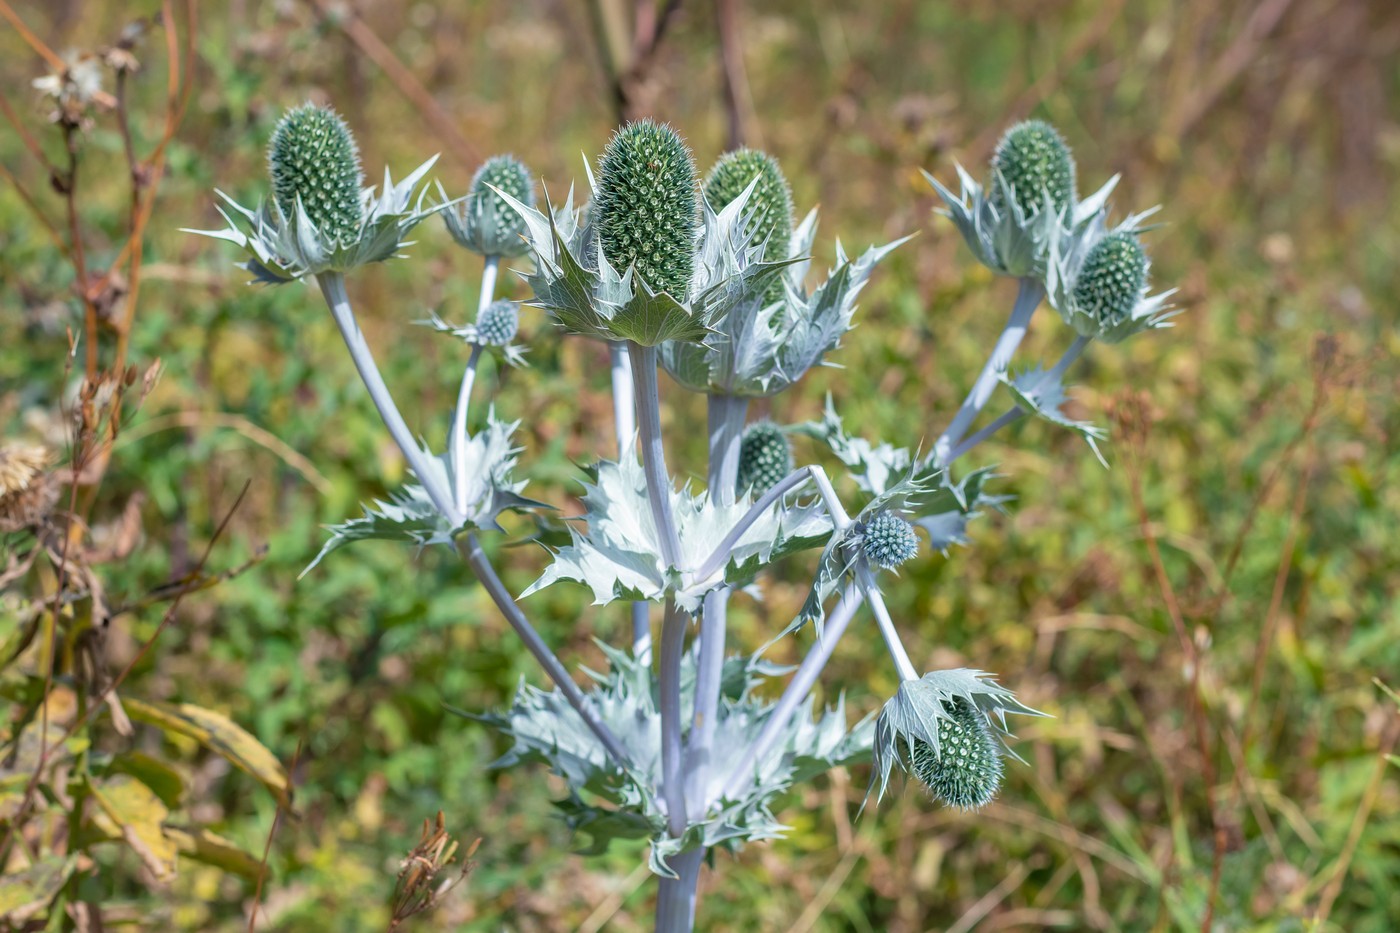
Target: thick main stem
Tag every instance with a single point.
(333, 288)
(672, 727)
(625, 429)
(1027, 300)
(643, 360)
(675, 901)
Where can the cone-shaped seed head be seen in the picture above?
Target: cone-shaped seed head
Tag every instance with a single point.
(1112, 278)
(498, 322)
(1034, 159)
(511, 176)
(646, 206)
(765, 457)
(889, 540)
(312, 159)
(770, 204)
(967, 770)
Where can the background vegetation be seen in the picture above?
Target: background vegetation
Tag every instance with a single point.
(1205, 619)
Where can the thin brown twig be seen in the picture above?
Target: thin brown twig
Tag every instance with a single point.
(54, 61)
(25, 136)
(267, 846)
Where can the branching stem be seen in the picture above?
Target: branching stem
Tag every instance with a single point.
(643, 360)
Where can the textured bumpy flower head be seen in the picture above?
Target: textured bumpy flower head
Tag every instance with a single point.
(315, 169)
(770, 205)
(889, 540)
(1112, 278)
(497, 323)
(646, 207)
(765, 457)
(485, 223)
(1035, 161)
(965, 770)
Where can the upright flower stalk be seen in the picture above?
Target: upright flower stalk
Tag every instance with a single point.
(710, 282)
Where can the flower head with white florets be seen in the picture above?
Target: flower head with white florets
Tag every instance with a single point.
(320, 218)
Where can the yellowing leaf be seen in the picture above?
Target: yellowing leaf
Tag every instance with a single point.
(136, 814)
(219, 734)
(213, 849)
(24, 894)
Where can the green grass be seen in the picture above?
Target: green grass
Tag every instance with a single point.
(1279, 231)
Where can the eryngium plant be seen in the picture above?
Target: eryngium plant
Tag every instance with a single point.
(676, 743)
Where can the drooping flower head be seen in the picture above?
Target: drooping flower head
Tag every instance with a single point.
(485, 223)
(315, 169)
(1035, 161)
(965, 769)
(765, 457)
(646, 207)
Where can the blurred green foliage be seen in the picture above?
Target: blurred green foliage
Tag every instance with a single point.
(1273, 145)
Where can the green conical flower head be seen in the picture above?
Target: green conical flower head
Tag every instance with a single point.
(1111, 280)
(1034, 159)
(765, 457)
(770, 204)
(313, 162)
(497, 323)
(646, 208)
(966, 771)
(487, 208)
(889, 540)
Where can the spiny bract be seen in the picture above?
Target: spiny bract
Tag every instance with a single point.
(497, 323)
(1034, 159)
(770, 205)
(966, 770)
(646, 209)
(765, 457)
(313, 162)
(1111, 280)
(889, 540)
(485, 208)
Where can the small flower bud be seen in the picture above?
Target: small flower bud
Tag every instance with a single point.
(966, 770)
(889, 540)
(646, 208)
(1034, 160)
(765, 457)
(313, 162)
(497, 323)
(489, 220)
(1111, 280)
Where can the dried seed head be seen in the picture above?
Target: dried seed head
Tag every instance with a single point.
(889, 540)
(27, 491)
(765, 457)
(646, 206)
(1034, 160)
(1112, 278)
(966, 770)
(313, 162)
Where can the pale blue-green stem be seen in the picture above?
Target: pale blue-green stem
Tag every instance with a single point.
(625, 429)
(1015, 413)
(333, 288)
(1027, 300)
(457, 440)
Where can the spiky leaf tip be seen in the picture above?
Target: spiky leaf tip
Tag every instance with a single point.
(889, 540)
(1035, 160)
(1112, 278)
(765, 457)
(497, 323)
(646, 208)
(313, 161)
(510, 175)
(965, 771)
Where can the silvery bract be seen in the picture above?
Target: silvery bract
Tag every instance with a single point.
(483, 222)
(496, 328)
